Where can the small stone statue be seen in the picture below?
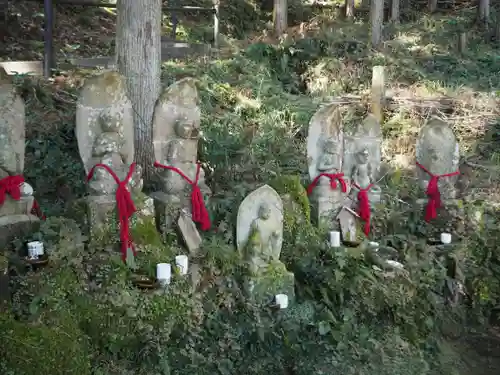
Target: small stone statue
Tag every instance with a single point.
(263, 241)
(259, 237)
(364, 188)
(107, 150)
(182, 186)
(325, 154)
(105, 134)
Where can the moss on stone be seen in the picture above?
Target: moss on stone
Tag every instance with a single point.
(42, 350)
(297, 211)
(275, 280)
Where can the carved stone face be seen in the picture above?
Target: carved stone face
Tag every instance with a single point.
(264, 211)
(363, 156)
(185, 130)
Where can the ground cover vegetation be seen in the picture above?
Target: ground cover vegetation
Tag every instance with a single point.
(81, 314)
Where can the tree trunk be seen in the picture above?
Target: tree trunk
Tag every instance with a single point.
(280, 17)
(395, 11)
(349, 8)
(377, 21)
(484, 13)
(138, 58)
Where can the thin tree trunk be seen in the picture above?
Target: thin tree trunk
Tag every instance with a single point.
(377, 21)
(349, 8)
(138, 58)
(280, 17)
(395, 11)
(484, 12)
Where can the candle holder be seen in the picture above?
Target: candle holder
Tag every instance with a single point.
(352, 244)
(38, 261)
(145, 282)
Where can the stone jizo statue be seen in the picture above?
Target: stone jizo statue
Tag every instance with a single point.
(176, 132)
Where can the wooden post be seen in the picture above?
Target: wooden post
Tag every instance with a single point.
(433, 4)
(280, 17)
(48, 58)
(462, 42)
(377, 20)
(349, 8)
(378, 92)
(216, 4)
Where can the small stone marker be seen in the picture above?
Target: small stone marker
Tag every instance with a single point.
(189, 232)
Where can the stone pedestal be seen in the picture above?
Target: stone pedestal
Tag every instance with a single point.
(167, 210)
(275, 280)
(22, 206)
(102, 218)
(17, 226)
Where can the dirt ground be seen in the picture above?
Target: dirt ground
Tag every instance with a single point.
(480, 353)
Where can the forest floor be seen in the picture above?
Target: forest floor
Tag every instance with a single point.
(88, 32)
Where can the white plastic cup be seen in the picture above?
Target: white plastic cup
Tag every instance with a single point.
(182, 261)
(164, 273)
(281, 300)
(334, 239)
(446, 238)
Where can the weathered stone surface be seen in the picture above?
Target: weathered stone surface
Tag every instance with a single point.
(190, 234)
(105, 133)
(362, 157)
(438, 151)
(15, 215)
(259, 238)
(12, 128)
(176, 131)
(325, 147)
(16, 226)
(103, 101)
(102, 218)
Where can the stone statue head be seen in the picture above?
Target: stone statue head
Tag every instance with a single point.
(110, 122)
(185, 130)
(107, 143)
(363, 156)
(264, 211)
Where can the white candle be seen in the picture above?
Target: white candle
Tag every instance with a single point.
(181, 261)
(164, 273)
(446, 238)
(35, 249)
(281, 300)
(334, 239)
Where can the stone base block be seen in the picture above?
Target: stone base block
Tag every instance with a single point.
(276, 280)
(21, 207)
(102, 218)
(17, 226)
(167, 210)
